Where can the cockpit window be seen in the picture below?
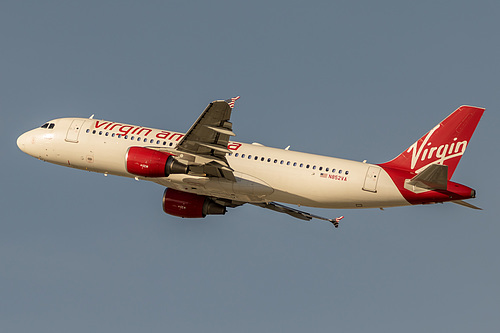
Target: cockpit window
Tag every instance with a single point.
(48, 125)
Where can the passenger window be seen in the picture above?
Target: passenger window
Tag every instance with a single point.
(288, 163)
(347, 172)
(249, 157)
(294, 163)
(151, 141)
(314, 167)
(119, 136)
(145, 140)
(340, 171)
(262, 159)
(301, 165)
(333, 170)
(256, 158)
(100, 132)
(170, 144)
(236, 155)
(87, 131)
(157, 142)
(242, 155)
(282, 162)
(327, 169)
(113, 135)
(106, 134)
(132, 137)
(93, 132)
(275, 161)
(164, 143)
(307, 166)
(268, 160)
(320, 168)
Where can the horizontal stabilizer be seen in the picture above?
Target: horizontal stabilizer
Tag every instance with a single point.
(434, 177)
(466, 204)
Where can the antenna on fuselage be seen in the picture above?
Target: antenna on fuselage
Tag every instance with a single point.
(91, 117)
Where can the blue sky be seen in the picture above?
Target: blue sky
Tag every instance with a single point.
(357, 80)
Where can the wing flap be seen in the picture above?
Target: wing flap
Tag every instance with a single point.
(214, 147)
(222, 130)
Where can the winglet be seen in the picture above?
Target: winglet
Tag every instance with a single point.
(231, 101)
(336, 221)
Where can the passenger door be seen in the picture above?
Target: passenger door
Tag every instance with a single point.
(74, 130)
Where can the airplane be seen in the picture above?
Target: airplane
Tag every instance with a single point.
(205, 173)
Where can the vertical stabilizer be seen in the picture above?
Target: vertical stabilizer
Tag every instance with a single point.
(444, 144)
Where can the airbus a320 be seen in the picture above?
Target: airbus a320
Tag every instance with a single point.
(205, 173)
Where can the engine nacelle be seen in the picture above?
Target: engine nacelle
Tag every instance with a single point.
(184, 204)
(147, 162)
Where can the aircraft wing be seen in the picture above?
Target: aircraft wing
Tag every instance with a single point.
(296, 213)
(207, 139)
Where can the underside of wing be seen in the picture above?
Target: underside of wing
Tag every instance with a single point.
(209, 135)
(296, 213)
(205, 143)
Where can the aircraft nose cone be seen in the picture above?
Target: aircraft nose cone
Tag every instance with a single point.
(21, 142)
(25, 142)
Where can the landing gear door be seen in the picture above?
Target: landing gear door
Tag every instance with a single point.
(371, 179)
(74, 130)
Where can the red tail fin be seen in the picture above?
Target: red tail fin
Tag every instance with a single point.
(444, 144)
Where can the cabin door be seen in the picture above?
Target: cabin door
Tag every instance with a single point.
(74, 130)
(371, 179)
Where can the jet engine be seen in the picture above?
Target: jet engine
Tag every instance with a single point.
(147, 162)
(184, 204)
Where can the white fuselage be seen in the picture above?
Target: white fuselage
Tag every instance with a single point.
(263, 174)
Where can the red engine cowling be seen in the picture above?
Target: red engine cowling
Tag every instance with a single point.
(184, 204)
(152, 163)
